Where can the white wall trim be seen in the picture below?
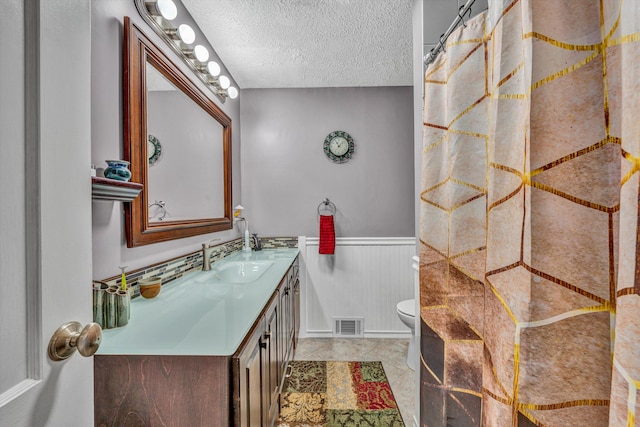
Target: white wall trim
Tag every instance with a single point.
(366, 277)
(366, 241)
(367, 334)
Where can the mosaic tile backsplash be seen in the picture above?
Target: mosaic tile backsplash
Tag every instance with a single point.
(177, 267)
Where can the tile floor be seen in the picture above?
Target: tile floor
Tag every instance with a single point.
(390, 351)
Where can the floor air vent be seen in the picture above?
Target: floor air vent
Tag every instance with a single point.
(350, 327)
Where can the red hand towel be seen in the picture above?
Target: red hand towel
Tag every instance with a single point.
(327, 235)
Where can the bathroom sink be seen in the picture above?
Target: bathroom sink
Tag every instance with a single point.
(242, 271)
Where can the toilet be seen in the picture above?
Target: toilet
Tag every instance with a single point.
(407, 313)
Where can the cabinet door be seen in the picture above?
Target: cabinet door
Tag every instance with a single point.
(270, 377)
(249, 407)
(296, 311)
(295, 302)
(283, 348)
(289, 314)
(253, 402)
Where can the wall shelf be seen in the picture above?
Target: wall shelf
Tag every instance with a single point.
(111, 189)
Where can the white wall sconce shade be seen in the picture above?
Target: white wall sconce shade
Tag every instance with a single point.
(201, 53)
(186, 33)
(232, 92)
(165, 8)
(213, 68)
(224, 82)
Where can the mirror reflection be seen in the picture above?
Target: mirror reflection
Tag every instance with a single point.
(184, 145)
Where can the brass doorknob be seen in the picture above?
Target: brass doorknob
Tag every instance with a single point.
(71, 336)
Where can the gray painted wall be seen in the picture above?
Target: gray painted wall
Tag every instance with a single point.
(433, 23)
(192, 151)
(109, 244)
(285, 173)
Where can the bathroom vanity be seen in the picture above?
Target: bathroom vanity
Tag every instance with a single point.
(211, 350)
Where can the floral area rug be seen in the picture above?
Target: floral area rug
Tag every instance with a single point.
(337, 394)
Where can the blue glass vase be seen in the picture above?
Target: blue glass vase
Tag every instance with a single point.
(117, 169)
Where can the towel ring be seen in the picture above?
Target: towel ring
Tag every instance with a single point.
(328, 206)
(162, 213)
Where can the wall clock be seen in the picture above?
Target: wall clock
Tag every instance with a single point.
(338, 146)
(154, 149)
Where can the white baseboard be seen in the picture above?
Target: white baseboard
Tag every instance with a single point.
(367, 334)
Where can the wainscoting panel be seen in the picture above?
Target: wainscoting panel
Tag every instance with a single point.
(366, 277)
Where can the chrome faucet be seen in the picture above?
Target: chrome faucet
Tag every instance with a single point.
(206, 254)
(257, 246)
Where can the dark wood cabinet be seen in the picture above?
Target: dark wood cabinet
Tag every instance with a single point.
(285, 320)
(241, 390)
(296, 307)
(140, 390)
(270, 349)
(247, 369)
(255, 368)
(271, 374)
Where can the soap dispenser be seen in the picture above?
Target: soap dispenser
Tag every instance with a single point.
(247, 239)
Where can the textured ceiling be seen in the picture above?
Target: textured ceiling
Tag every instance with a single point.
(310, 43)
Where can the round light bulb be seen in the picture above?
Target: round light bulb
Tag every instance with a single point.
(233, 92)
(224, 82)
(187, 35)
(213, 68)
(167, 9)
(201, 53)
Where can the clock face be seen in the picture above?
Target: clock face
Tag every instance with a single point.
(338, 146)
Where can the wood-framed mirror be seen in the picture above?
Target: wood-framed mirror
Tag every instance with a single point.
(178, 142)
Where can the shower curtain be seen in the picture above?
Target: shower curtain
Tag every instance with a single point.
(530, 274)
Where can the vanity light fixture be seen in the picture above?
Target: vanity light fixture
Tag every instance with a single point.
(224, 82)
(158, 13)
(183, 35)
(201, 54)
(186, 37)
(186, 34)
(162, 8)
(213, 68)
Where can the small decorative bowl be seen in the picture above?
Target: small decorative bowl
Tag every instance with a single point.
(150, 287)
(118, 170)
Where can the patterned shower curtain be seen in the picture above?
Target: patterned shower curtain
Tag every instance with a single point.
(530, 266)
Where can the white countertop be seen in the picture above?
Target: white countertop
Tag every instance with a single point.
(199, 314)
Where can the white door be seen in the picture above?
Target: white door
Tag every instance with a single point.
(45, 209)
